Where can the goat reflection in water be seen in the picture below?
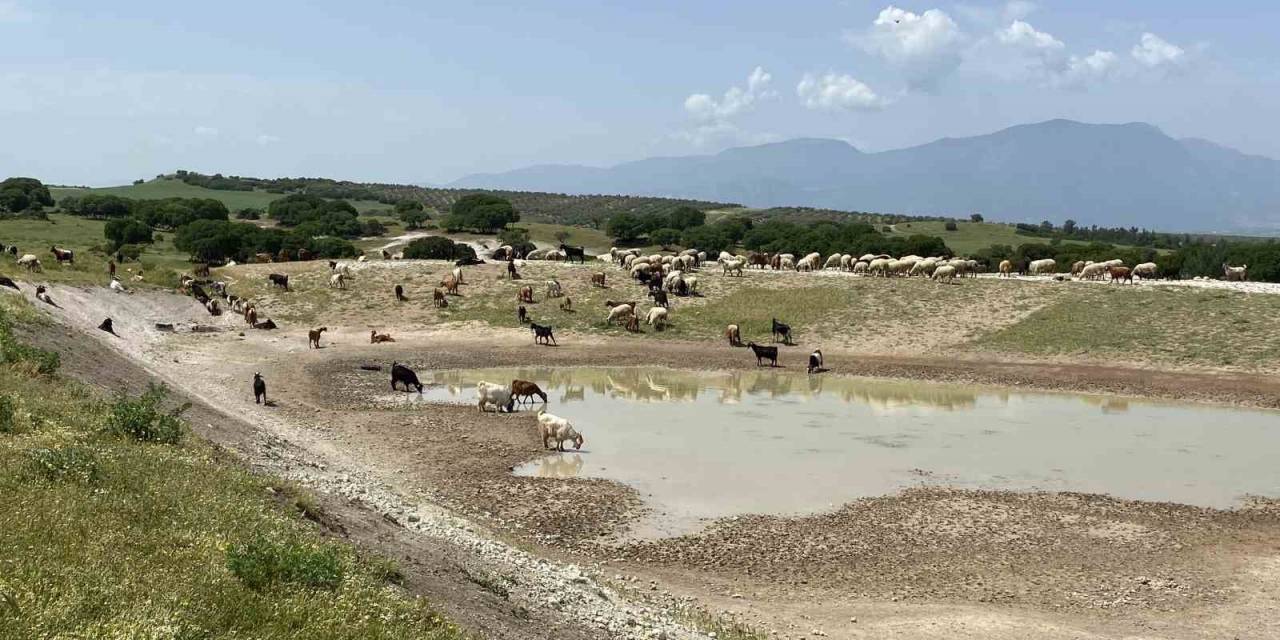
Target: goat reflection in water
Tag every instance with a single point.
(559, 465)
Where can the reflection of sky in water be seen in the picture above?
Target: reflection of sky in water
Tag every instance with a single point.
(702, 444)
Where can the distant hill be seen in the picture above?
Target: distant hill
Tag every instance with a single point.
(1108, 175)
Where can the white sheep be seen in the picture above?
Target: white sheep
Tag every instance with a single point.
(1093, 271)
(1006, 268)
(497, 395)
(833, 261)
(860, 267)
(620, 313)
(786, 261)
(724, 255)
(1048, 265)
(558, 429)
(672, 280)
(734, 265)
(944, 273)
(878, 267)
(846, 262)
(657, 317)
(691, 283)
(1146, 270)
(457, 274)
(337, 281)
(29, 261)
(1234, 274)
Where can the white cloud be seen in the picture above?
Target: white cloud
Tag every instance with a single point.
(12, 12)
(734, 102)
(1089, 69)
(265, 139)
(205, 131)
(1152, 52)
(925, 47)
(1022, 35)
(838, 91)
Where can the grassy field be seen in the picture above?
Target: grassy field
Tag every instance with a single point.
(160, 260)
(1157, 325)
(170, 188)
(106, 534)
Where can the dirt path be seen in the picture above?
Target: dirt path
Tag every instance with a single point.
(921, 564)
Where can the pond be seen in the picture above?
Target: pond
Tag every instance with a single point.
(705, 445)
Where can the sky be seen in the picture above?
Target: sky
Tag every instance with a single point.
(102, 93)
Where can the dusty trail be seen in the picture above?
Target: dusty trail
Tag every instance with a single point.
(923, 564)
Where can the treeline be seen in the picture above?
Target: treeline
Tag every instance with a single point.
(810, 215)
(827, 238)
(24, 195)
(217, 241)
(576, 210)
(1113, 235)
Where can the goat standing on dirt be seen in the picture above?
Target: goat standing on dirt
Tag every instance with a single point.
(313, 337)
(259, 389)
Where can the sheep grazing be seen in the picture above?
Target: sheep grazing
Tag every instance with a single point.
(620, 313)
(522, 314)
(781, 330)
(337, 281)
(764, 353)
(657, 318)
(1235, 274)
(1093, 271)
(31, 262)
(559, 430)
(63, 255)
(259, 389)
(378, 338)
(1047, 265)
(279, 280)
(399, 290)
(1120, 274)
(313, 337)
(405, 376)
(1077, 267)
(733, 266)
(525, 294)
(734, 336)
(1147, 271)
(524, 390)
(860, 267)
(496, 395)
(833, 261)
(1006, 267)
(450, 284)
(542, 334)
(945, 273)
(815, 361)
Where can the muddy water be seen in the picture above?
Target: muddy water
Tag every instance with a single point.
(701, 445)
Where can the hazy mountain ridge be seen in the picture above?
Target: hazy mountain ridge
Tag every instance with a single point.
(1107, 174)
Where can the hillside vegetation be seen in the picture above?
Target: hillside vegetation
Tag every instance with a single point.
(115, 522)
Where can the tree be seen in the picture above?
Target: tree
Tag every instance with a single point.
(951, 225)
(1046, 226)
(248, 213)
(22, 194)
(320, 216)
(1069, 226)
(686, 217)
(411, 213)
(514, 236)
(710, 238)
(976, 217)
(372, 228)
(101, 206)
(210, 240)
(664, 237)
(437, 248)
(481, 212)
(127, 231)
(626, 227)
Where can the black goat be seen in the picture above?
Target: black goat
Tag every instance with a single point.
(542, 334)
(279, 280)
(404, 375)
(783, 330)
(259, 389)
(660, 298)
(400, 294)
(764, 353)
(573, 252)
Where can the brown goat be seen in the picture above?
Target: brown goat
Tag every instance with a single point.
(1120, 274)
(375, 337)
(525, 294)
(732, 333)
(251, 316)
(313, 337)
(438, 296)
(597, 279)
(633, 323)
(524, 390)
(566, 304)
(450, 284)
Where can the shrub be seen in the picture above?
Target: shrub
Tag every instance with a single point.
(8, 415)
(261, 563)
(372, 228)
(437, 248)
(664, 237)
(480, 212)
(248, 213)
(951, 226)
(71, 462)
(130, 251)
(127, 231)
(144, 418)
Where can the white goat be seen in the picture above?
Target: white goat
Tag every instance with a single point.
(558, 429)
(497, 395)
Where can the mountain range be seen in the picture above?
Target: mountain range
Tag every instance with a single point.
(1104, 174)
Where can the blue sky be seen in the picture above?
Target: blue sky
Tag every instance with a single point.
(103, 92)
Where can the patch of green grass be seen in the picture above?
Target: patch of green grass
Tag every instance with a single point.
(106, 537)
(968, 236)
(172, 188)
(1158, 325)
(594, 240)
(725, 627)
(160, 261)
